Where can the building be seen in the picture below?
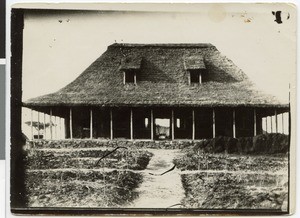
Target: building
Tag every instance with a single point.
(160, 91)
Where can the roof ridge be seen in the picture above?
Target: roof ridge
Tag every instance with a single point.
(166, 45)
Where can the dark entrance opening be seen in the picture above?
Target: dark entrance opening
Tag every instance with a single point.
(162, 124)
(121, 123)
(141, 123)
(203, 123)
(183, 123)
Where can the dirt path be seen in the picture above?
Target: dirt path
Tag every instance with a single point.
(160, 191)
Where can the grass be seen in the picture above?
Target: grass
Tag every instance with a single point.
(81, 188)
(69, 177)
(86, 159)
(222, 181)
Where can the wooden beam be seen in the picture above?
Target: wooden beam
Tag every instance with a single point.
(131, 124)
(152, 124)
(276, 122)
(172, 124)
(111, 124)
(214, 123)
(254, 117)
(31, 126)
(233, 124)
(193, 126)
(51, 133)
(71, 126)
(91, 123)
(38, 116)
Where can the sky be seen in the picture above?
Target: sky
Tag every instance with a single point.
(60, 45)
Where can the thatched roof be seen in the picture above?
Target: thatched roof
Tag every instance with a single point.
(162, 80)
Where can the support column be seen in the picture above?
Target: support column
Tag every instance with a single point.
(172, 123)
(152, 125)
(255, 129)
(282, 117)
(44, 126)
(131, 124)
(276, 122)
(38, 116)
(134, 77)
(200, 78)
(193, 127)
(91, 123)
(266, 124)
(111, 125)
(271, 124)
(31, 126)
(51, 135)
(55, 127)
(71, 127)
(60, 133)
(233, 124)
(214, 123)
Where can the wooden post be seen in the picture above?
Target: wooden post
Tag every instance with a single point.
(233, 123)
(91, 123)
(254, 116)
(44, 126)
(271, 124)
(276, 122)
(152, 125)
(71, 127)
(31, 126)
(60, 133)
(124, 75)
(55, 127)
(131, 124)
(214, 123)
(172, 123)
(193, 127)
(200, 78)
(282, 117)
(134, 77)
(51, 135)
(266, 118)
(38, 116)
(111, 125)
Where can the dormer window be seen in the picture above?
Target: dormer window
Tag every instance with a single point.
(130, 66)
(129, 76)
(195, 66)
(195, 77)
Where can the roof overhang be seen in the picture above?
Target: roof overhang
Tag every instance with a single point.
(194, 63)
(131, 63)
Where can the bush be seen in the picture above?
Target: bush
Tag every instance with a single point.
(262, 144)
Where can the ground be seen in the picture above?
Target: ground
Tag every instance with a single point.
(160, 191)
(155, 178)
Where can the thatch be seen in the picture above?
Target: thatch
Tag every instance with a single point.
(162, 80)
(194, 63)
(131, 63)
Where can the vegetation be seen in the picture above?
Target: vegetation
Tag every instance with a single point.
(70, 177)
(233, 181)
(81, 188)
